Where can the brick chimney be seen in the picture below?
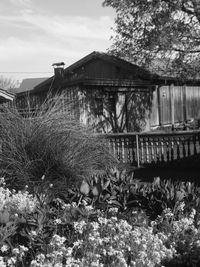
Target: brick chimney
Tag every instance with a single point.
(58, 71)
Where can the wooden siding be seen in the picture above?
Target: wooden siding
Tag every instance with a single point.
(154, 113)
(178, 104)
(192, 102)
(165, 105)
(175, 104)
(99, 69)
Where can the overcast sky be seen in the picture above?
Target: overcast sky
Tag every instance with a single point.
(36, 33)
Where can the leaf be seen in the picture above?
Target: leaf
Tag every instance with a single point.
(156, 181)
(85, 188)
(96, 190)
(4, 217)
(105, 186)
(180, 195)
(107, 196)
(113, 197)
(115, 202)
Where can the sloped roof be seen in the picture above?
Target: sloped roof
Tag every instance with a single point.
(142, 73)
(112, 59)
(5, 96)
(29, 83)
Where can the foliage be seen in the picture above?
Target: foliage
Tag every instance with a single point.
(183, 231)
(56, 233)
(120, 189)
(7, 83)
(14, 204)
(51, 143)
(159, 34)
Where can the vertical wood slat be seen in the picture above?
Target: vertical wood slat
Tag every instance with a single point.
(157, 151)
(142, 150)
(159, 106)
(171, 89)
(172, 150)
(139, 149)
(184, 104)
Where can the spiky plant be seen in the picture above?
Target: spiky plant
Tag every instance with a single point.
(50, 143)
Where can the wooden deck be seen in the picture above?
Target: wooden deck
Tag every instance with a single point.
(141, 149)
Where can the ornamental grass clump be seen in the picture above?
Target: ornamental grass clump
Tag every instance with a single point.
(51, 143)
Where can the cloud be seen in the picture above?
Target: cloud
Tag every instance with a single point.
(60, 27)
(71, 26)
(22, 3)
(38, 55)
(33, 38)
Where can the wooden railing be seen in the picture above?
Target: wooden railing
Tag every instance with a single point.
(146, 148)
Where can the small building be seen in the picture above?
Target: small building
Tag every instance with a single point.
(6, 96)
(114, 95)
(28, 84)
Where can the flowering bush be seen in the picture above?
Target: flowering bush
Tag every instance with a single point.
(54, 233)
(107, 241)
(13, 203)
(183, 233)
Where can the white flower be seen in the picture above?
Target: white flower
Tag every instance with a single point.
(33, 233)
(78, 243)
(57, 221)
(23, 248)
(4, 248)
(79, 226)
(2, 263)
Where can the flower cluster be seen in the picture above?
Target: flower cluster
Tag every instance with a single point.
(108, 241)
(73, 235)
(55, 255)
(17, 255)
(14, 203)
(114, 241)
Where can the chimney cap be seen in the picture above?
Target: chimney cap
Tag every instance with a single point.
(59, 64)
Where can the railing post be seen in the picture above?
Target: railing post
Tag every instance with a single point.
(137, 151)
(140, 149)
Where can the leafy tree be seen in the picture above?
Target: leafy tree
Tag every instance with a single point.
(162, 35)
(7, 83)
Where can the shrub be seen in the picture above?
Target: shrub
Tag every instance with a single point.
(50, 143)
(120, 189)
(13, 204)
(183, 232)
(106, 241)
(49, 232)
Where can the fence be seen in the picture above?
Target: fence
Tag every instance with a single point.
(146, 148)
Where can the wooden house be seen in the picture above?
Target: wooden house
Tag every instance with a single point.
(29, 84)
(114, 95)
